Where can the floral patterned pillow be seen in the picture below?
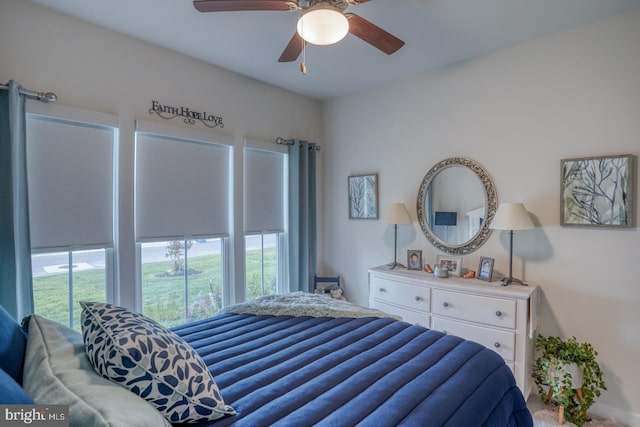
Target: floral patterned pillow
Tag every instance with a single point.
(151, 361)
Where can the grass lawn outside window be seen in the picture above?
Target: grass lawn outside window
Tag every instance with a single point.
(163, 296)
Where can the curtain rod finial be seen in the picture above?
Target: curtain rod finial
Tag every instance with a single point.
(284, 141)
(48, 97)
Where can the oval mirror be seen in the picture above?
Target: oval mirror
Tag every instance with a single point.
(456, 203)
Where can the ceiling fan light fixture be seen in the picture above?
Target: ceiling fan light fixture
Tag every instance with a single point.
(323, 24)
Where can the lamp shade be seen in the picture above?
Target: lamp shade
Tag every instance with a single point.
(323, 24)
(397, 214)
(511, 216)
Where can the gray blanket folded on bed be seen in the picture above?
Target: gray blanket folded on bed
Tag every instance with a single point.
(301, 304)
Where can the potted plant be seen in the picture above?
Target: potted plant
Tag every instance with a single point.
(573, 376)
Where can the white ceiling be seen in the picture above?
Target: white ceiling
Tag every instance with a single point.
(436, 32)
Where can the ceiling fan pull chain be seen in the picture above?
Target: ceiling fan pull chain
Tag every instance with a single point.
(303, 68)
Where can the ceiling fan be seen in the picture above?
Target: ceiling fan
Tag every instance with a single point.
(322, 22)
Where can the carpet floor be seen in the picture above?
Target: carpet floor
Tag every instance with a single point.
(547, 415)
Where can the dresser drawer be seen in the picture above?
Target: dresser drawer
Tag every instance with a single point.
(419, 318)
(475, 308)
(401, 293)
(502, 342)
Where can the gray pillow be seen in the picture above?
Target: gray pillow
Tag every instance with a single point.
(58, 372)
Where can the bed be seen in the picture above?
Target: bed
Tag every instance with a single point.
(344, 366)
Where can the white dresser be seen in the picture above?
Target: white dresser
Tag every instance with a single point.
(501, 318)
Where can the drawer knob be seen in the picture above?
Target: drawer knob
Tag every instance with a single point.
(445, 304)
(496, 345)
(499, 313)
(418, 298)
(382, 290)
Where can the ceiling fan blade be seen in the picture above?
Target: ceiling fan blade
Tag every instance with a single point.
(242, 5)
(293, 49)
(372, 34)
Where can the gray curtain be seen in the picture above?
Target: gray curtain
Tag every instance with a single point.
(302, 215)
(16, 288)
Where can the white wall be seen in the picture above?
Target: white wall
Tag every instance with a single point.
(517, 112)
(92, 68)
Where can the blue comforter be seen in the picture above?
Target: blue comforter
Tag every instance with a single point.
(303, 371)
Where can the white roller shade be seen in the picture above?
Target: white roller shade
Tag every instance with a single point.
(264, 191)
(182, 187)
(71, 175)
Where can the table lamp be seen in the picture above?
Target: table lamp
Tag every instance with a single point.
(396, 214)
(511, 216)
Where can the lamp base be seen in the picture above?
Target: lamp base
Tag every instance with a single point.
(394, 265)
(509, 280)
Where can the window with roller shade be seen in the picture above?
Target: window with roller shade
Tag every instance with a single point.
(71, 162)
(264, 218)
(182, 200)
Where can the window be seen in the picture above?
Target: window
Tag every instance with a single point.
(62, 279)
(262, 265)
(182, 201)
(264, 218)
(182, 280)
(70, 158)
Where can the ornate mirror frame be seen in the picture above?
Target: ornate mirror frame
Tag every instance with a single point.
(491, 205)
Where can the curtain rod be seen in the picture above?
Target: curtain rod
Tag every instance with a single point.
(40, 96)
(283, 141)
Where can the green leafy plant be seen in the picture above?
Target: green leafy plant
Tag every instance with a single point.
(551, 371)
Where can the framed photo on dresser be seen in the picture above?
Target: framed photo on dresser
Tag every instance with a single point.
(453, 263)
(414, 259)
(485, 269)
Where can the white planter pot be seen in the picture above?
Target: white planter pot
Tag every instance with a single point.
(573, 370)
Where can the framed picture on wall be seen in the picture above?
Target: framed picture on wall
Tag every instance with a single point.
(453, 263)
(485, 268)
(414, 259)
(597, 191)
(363, 196)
